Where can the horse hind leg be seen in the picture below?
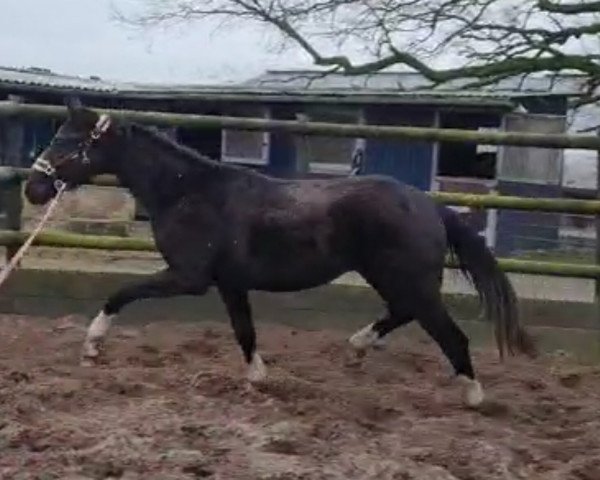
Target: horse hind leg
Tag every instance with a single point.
(422, 298)
(385, 283)
(437, 322)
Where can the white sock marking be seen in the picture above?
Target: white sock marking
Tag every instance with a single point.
(472, 391)
(257, 371)
(95, 334)
(364, 338)
(99, 326)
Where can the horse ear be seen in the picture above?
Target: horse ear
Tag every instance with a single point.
(73, 104)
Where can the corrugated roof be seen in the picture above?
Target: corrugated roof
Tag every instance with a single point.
(300, 86)
(41, 77)
(244, 93)
(413, 83)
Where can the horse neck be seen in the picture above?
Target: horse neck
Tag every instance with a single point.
(157, 174)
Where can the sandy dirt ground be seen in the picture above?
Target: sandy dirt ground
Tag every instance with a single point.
(169, 401)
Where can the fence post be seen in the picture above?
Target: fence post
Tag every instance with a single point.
(597, 285)
(13, 157)
(13, 207)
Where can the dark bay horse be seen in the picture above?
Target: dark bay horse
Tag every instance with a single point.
(239, 230)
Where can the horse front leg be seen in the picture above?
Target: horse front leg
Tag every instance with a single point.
(240, 315)
(162, 284)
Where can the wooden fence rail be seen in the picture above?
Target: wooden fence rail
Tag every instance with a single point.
(588, 142)
(475, 201)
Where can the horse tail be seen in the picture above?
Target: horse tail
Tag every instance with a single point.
(495, 291)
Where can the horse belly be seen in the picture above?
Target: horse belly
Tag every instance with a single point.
(287, 251)
(295, 276)
(297, 267)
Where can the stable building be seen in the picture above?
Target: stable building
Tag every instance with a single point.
(532, 104)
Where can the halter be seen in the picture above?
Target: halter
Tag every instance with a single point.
(44, 166)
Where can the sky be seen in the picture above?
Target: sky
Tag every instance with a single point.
(81, 37)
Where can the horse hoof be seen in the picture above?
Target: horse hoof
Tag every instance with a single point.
(364, 338)
(472, 392)
(257, 371)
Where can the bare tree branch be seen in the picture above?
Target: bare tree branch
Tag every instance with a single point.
(490, 39)
(569, 8)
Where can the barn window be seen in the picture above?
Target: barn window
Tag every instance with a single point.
(206, 140)
(326, 154)
(457, 159)
(542, 166)
(250, 147)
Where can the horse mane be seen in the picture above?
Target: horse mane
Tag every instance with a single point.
(193, 157)
(190, 158)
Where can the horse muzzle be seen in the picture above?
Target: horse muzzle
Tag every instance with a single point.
(40, 191)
